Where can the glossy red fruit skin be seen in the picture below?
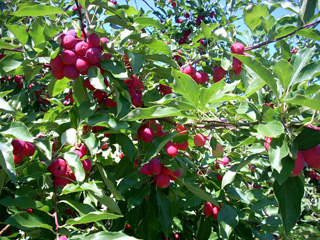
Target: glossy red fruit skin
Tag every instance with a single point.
(167, 171)
(87, 165)
(175, 174)
(237, 48)
(18, 146)
(145, 170)
(88, 85)
(312, 157)
(182, 146)
(93, 40)
(171, 149)
(68, 57)
(146, 134)
(17, 158)
(162, 180)
(298, 164)
(82, 65)
(197, 77)
(71, 72)
(199, 140)
(218, 74)
(61, 181)
(68, 41)
(99, 95)
(155, 166)
(93, 55)
(104, 146)
(207, 209)
(205, 77)
(267, 143)
(81, 48)
(215, 211)
(182, 129)
(191, 71)
(83, 149)
(78, 153)
(29, 149)
(58, 167)
(58, 74)
(225, 161)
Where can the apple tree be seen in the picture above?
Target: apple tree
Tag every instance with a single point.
(180, 120)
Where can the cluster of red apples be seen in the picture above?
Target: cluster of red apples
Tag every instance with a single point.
(310, 156)
(162, 174)
(78, 55)
(210, 210)
(63, 173)
(20, 149)
(198, 77)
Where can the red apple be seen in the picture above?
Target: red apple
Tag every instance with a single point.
(237, 48)
(18, 146)
(162, 180)
(207, 209)
(312, 157)
(145, 170)
(87, 165)
(172, 149)
(29, 149)
(58, 167)
(155, 166)
(298, 164)
(199, 140)
(17, 158)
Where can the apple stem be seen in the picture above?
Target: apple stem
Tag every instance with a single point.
(280, 38)
(81, 20)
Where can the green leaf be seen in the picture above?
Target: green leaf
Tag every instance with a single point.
(207, 93)
(107, 201)
(277, 151)
(5, 107)
(91, 142)
(112, 188)
(204, 228)
(200, 193)
(252, 15)
(159, 47)
(299, 60)
(136, 61)
(44, 147)
(228, 178)
(284, 71)
(74, 162)
(6, 160)
(264, 73)
(26, 221)
(157, 145)
(92, 217)
(80, 91)
(148, 22)
(186, 86)
(152, 112)
(56, 87)
(96, 79)
(19, 32)
(205, 30)
(228, 220)
(222, 35)
(307, 10)
(288, 166)
(302, 100)
(289, 196)
(6, 45)
(307, 139)
(308, 72)
(127, 146)
(37, 32)
(9, 63)
(17, 130)
(164, 216)
(309, 33)
(81, 208)
(272, 129)
(38, 10)
(109, 236)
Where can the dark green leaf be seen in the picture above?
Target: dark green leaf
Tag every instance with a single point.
(288, 166)
(127, 146)
(308, 72)
(5, 107)
(109, 236)
(307, 139)
(204, 228)
(164, 217)
(26, 221)
(228, 220)
(299, 60)
(6, 45)
(80, 91)
(307, 11)
(6, 160)
(152, 112)
(277, 151)
(92, 217)
(74, 162)
(289, 196)
(157, 145)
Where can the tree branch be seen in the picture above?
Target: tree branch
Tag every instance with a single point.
(13, 50)
(280, 38)
(81, 20)
(4, 229)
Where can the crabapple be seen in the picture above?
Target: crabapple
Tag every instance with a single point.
(68, 41)
(155, 166)
(87, 165)
(162, 180)
(70, 72)
(237, 48)
(191, 71)
(182, 146)
(17, 158)
(93, 55)
(146, 134)
(145, 170)
(82, 65)
(68, 57)
(28, 149)
(215, 211)
(298, 164)
(56, 64)
(93, 40)
(18, 146)
(58, 167)
(207, 210)
(312, 156)
(172, 149)
(199, 140)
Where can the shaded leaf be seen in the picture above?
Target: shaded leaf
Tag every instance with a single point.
(92, 217)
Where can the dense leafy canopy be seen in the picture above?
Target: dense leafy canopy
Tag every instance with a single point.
(168, 130)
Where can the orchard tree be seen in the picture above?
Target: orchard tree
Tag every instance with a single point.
(180, 120)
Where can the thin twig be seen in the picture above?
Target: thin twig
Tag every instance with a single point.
(81, 20)
(280, 38)
(13, 50)
(4, 229)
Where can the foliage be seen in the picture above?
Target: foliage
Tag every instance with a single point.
(273, 94)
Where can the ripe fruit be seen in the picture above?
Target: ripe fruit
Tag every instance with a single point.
(167, 171)
(298, 164)
(215, 211)
(155, 166)
(18, 146)
(82, 65)
(86, 165)
(162, 180)
(71, 72)
(146, 134)
(182, 129)
(218, 152)
(68, 41)
(145, 170)
(205, 77)
(58, 167)
(68, 57)
(190, 71)
(93, 55)
(28, 149)
(93, 40)
(17, 158)
(197, 77)
(225, 161)
(312, 156)
(99, 95)
(237, 48)
(182, 146)
(207, 210)
(175, 175)
(61, 181)
(267, 143)
(83, 149)
(218, 74)
(199, 140)
(172, 149)
(81, 48)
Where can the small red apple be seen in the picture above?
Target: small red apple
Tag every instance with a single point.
(199, 140)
